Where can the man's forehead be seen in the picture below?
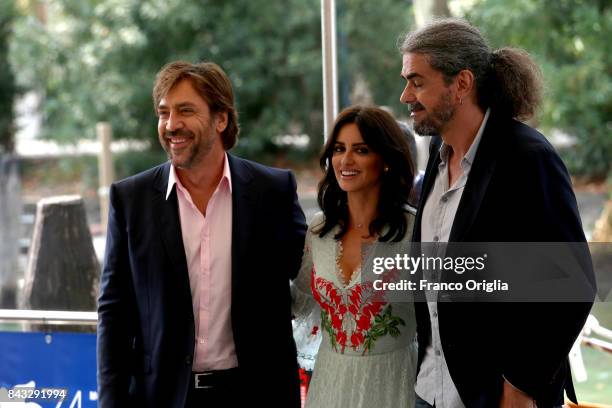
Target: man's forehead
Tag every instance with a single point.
(415, 64)
(182, 92)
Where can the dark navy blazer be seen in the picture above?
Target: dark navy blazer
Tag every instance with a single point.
(146, 328)
(518, 190)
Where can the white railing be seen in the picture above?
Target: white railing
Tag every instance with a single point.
(51, 317)
(591, 327)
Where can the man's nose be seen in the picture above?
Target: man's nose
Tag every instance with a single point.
(173, 123)
(407, 96)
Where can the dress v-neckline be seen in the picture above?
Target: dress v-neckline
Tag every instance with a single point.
(339, 272)
(365, 247)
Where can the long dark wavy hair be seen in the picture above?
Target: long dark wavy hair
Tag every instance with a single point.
(382, 134)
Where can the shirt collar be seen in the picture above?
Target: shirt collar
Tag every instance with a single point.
(468, 159)
(225, 178)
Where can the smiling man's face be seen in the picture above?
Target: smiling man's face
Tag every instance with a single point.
(187, 129)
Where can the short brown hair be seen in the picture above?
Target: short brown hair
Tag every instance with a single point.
(211, 83)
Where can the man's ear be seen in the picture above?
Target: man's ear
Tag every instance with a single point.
(221, 121)
(465, 83)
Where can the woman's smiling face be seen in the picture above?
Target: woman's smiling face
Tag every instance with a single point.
(356, 166)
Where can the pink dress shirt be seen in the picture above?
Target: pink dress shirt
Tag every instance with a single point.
(208, 249)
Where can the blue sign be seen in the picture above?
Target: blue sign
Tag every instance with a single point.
(55, 370)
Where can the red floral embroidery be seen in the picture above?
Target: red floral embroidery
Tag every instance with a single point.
(341, 338)
(357, 339)
(355, 314)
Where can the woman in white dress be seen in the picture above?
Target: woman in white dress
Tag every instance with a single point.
(367, 354)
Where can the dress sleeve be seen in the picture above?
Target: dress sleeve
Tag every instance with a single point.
(306, 312)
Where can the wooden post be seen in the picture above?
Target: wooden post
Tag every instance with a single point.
(10, 228)
(105, 170)
(63, 271)
(603, 227)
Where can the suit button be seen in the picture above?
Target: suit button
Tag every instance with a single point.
(189, 359)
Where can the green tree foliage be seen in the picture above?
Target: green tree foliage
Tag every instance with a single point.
(368, 34)
(96, 60)
(570, 39)
(7, 84)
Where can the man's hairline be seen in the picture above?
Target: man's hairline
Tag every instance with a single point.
(446, 78)
(187, 77)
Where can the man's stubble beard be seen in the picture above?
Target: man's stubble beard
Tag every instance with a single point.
(197, 151)
(440, 115)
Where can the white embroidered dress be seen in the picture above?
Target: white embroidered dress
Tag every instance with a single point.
(367, 354)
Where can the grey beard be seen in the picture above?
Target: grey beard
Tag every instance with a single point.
(434, 122)
(426, 129)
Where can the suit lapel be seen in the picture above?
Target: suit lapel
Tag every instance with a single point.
(244, 201)
(478, 181)
(170, 224)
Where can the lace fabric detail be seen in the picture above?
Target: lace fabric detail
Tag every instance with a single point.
(380, 381)
(306, 312)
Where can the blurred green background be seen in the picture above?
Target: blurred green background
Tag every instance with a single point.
(95, 60)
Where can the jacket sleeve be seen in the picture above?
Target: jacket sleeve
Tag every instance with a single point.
(115, 338)
(296, 229)
(548, 330)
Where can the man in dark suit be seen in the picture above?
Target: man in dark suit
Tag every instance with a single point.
(490, 178)
(194, 306)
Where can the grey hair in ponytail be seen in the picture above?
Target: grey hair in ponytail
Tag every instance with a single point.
(514, 83)
(507, 79)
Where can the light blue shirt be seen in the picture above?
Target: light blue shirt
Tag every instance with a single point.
(434, 383)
